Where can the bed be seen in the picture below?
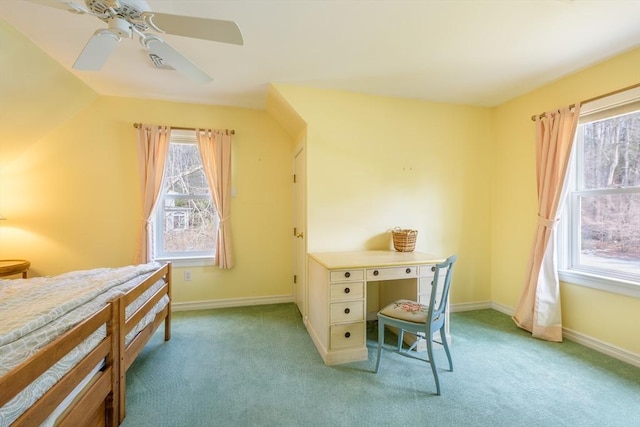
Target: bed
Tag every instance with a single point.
(67, 341)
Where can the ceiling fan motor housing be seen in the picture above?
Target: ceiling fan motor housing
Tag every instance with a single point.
(127, 10)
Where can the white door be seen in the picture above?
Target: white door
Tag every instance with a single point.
(299, 235)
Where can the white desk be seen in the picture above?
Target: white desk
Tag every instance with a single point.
(337, 291)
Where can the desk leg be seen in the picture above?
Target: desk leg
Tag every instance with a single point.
(24, 274)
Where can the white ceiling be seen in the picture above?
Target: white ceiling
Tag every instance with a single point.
(473, 52)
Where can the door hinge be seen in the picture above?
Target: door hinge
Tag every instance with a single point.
(294, 178)
(295, 232)
(295, 279)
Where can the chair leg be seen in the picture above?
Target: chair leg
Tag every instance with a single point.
(446, 347)
(400, 338)
(380, 342)
(432, 362)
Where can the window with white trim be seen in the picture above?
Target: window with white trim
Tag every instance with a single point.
(599, 238)
(185, 220)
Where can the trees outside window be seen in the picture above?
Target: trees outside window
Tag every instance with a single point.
(602, 219)
(185, 220)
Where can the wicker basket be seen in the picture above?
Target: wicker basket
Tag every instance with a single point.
(404, 240)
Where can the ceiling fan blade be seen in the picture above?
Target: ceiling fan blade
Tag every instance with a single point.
(175, 59)
(69, 6)
(200, 28)
(97, 50)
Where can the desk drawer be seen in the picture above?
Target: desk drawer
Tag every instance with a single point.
(348, 311)
(344, 291)
(391, 273)
(424, 295)
(426, 270)
(425, 283)
(354, 275)
(348, 335)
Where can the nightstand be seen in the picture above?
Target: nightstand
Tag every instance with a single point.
(9, 267)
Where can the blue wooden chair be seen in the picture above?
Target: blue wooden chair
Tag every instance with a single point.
(421, 320)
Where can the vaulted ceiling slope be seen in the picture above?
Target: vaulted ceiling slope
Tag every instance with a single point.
(467, 52)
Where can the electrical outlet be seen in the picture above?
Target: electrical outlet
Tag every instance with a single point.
(187, 276)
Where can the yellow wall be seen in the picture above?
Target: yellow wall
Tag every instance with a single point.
(283, 113)
(463, 176)
(374, 163)
(69, 181)
(607, 317)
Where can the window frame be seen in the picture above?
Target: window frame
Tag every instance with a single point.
(189, 259)
(569, 233)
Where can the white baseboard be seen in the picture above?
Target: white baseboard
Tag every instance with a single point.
(230, 302)
(587, 341)
(470, 306)
(602, 347)
(502, 308)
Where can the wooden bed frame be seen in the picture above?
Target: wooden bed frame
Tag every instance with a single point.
(128, 353)
(102, 401)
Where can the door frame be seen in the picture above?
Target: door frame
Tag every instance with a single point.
(300, 226)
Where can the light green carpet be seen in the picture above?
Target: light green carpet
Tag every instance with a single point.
(257, 366)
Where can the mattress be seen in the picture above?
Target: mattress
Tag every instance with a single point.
(33, 312)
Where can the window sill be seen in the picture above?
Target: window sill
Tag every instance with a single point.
(188, 262)
(607, 284)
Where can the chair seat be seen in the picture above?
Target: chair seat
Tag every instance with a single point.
(407, 310)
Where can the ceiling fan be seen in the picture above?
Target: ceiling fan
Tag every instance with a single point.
(129, 18)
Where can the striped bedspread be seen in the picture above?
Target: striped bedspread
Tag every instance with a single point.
(33, 312)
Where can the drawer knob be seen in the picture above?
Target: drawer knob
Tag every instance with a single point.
(347, 334)
(347, 274)
(433, 268)
(347, 311)
(376, 272)
(347, 290)
(408, 270)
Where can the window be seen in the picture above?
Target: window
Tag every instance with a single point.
(185, 220)
(599, 237)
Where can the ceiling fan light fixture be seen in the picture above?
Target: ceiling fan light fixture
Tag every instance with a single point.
(120, 27)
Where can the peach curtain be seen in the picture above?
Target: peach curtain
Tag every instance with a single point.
(153, 145)
(538, 310)
(215, 149)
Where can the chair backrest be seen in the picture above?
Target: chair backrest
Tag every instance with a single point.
(440, 293)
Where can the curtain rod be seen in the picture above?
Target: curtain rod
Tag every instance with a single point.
(595, 98)
(228, 131)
